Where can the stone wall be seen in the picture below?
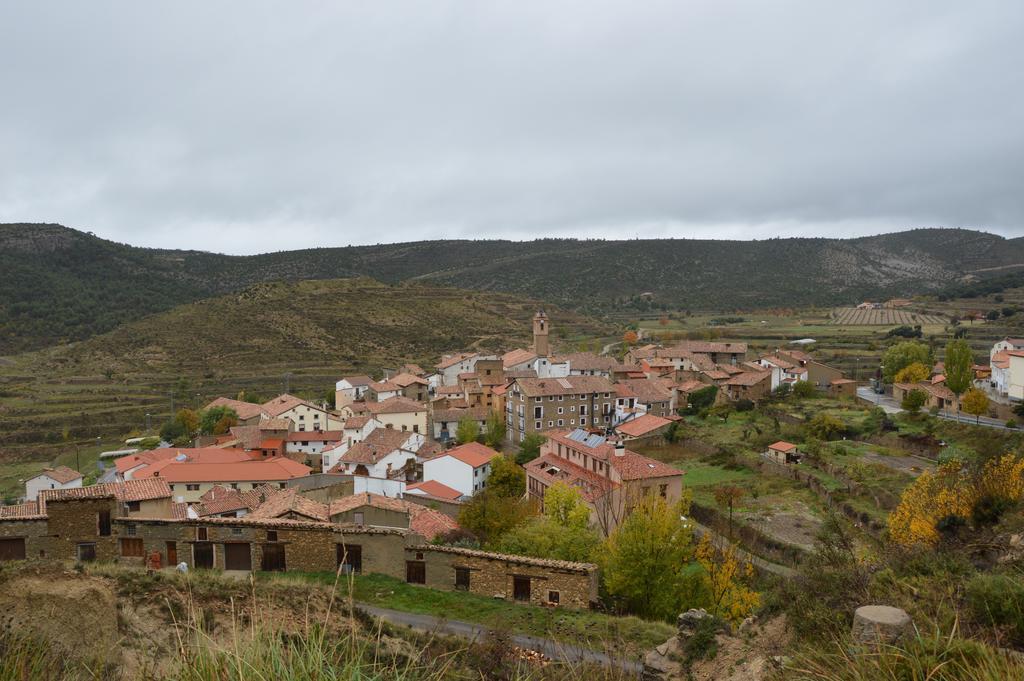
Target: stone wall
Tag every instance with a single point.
(306, 546)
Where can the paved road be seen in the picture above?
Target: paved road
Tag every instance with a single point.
(891, 406)
(553, 649)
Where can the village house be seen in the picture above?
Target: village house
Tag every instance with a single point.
(842, 387)
(445, 422)
(304, 415)
(311, 444)
(378, 391)
(589, 364)
(350, 389)
(448, 369)
(651, 396)
(644, 427)
(93, 524)
(750, 385)
(464, 468)
(59, 477)
(414, 387)
(537, 404)
(937, 395)
(127, 466)
(782, 452)
(611, 478)
(818, 373)
(247, 412)
(190, 479)
(399, 413)
(383, 453)
(432, 489)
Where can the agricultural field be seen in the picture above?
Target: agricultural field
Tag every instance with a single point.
(851, 316)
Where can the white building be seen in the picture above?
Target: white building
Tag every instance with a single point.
(349, 389)
(464, 468)
(304, 415)
(450, 366)
(311, 441)
(382, 454)
(60, 477)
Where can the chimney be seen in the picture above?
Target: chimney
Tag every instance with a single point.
(620, 449)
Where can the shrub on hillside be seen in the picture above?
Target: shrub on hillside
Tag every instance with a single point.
(998, 600)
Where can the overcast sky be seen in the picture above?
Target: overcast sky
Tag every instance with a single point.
(253, 126)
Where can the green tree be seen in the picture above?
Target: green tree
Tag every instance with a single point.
(467, 431)
(975, 403)
(702, 399)
(644, 559)
(542, 537)
(490, 516)
(959, 369)
(496, 429)
(902, 355)
(804, 389)
(507, 478)
(913, 400)
(529, 448)
(564, 505)
(217, 420)
(825, 426)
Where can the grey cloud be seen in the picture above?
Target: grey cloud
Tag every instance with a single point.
(254, 126)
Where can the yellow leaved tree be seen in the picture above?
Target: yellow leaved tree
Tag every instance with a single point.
(725, 577)
(913, 373)
(952, 490)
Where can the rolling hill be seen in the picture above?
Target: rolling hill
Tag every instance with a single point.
(58, 284)
(305, 334)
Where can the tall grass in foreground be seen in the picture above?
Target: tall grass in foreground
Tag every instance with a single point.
(341, 646)
(931, 657)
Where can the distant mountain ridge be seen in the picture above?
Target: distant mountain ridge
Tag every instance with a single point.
(58, 284)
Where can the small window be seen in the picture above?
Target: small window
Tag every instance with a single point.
(281, 485)
(133, 506)
(192, 488)
(553, 597)
(271, 535)
(358, 517)
(419, 555)
(663, 491)
(462, 579)
(201, 534)
(103, 523)
(129, 530)
(236, 531)
(234, 485)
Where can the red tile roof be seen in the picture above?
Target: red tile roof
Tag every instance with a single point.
(435, 489)
(642, 425)
(196, 454)
(291, 501)
(392, 405)
(245, 410)
(60, 474)
(472, 453)
(569, 385)
(130, 490)
(285, 402)
(516, 357)
(276, 468)
(451, 360)
(422, 520)
(782, 446)
(27, 510)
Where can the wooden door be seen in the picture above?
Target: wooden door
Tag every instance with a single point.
(12, 549)
(415, 572)
(172, 553)
(237, 557)
(273, 558)
(202, 555)
(521, 588)
(350, 556)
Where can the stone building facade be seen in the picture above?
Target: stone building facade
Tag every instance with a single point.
(99, 529)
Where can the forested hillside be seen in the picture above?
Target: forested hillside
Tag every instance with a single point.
(59, 284)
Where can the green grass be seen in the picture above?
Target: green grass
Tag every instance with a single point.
(628, 635)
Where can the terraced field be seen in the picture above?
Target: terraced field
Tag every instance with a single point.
(851, 316)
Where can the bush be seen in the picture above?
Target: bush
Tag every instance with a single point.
(1011, 423)
(804, 390)
(744, 404)
(998, 600)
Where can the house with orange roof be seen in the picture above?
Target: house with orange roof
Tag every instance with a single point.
(384, 453)
(190, 479)
(59, 477)
(446, 371)
(434, 489)
(464, 468)
(610, 477)
(247, 412)
(644, 426)
(782, 452)
(128, 466)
